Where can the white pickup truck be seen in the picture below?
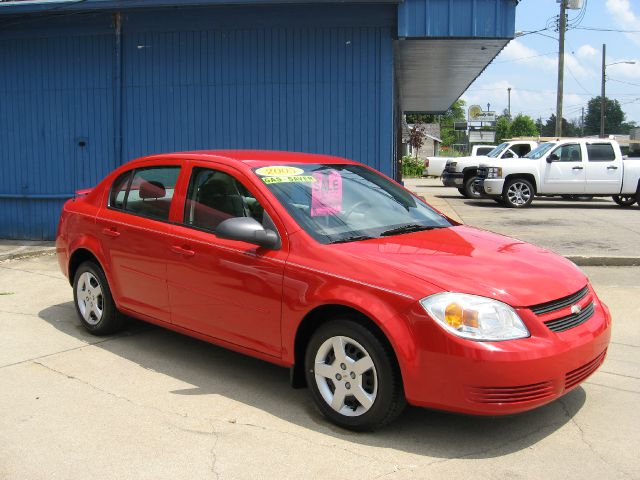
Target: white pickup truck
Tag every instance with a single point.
(461, 172)
(433, 166)
(584, 166)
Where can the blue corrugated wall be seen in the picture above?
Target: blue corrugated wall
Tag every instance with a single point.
(74, 104)
(457, 18)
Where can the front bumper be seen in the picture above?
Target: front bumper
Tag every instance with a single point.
(501, 378)
(452, 179)
(491, 186)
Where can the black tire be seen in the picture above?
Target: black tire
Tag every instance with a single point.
(510, 194)
(470, 190)
(625, 200)
(461, 190)
(383, 380)
(499, 200)
(110, 320)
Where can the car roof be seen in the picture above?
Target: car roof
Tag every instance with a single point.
(250, 157)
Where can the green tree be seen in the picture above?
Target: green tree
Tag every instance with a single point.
(503, 128)
(523, 126)
(614, 117)
(456, 113)
(569, 129)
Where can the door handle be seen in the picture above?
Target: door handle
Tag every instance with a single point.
(182, 251)
(111, 232)
(578, 168)
(612, 167)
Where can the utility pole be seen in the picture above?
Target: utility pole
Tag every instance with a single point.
(602, 92)
(582, 123)
(509, 107)
(562, 27)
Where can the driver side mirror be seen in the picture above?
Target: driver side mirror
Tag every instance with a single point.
(247, 229)
(552, 158)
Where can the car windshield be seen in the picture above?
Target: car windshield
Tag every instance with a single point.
(538, 152)
(337, 203)
(497, 151)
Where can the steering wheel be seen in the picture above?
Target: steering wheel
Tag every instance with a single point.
(355, 207)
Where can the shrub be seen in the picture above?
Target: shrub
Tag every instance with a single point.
(412, 167)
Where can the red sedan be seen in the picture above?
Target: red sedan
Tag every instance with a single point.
(371, 297)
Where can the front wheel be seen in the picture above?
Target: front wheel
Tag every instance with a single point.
(470, 190)
(518, 193)
(93, 300)
(624, 200)
(353, 377)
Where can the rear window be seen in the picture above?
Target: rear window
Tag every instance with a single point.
(600, 152)
(146, 191)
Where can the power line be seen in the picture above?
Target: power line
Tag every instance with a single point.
(597, 29)
(525, 58)
(622, 81)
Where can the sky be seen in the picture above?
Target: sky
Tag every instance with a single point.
(529, 63)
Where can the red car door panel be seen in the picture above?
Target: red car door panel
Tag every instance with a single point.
(227, 289)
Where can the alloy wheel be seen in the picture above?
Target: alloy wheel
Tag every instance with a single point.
(346, 376)
(519, 193)
(90, 298)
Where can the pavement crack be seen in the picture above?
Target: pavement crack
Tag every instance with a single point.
(214, 454)
(585, 441)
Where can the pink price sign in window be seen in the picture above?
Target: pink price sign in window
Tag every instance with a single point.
(326, 193)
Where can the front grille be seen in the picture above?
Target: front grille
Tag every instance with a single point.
(560, 303)
(565, 323)
(482, 172)
(574, 377)
(518, 394)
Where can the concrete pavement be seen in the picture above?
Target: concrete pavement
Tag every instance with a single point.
(10, 249)
(597, 232)
(149, 403)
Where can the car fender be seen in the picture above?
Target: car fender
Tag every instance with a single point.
(383, 307)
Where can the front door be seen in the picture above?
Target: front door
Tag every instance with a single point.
(226, 289)
(566, 174)
(135, 237)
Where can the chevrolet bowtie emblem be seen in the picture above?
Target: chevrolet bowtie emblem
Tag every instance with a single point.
(575, 309)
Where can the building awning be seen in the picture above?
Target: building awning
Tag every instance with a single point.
(445, 45)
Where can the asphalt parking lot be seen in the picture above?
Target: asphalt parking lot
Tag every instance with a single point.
(149, 403)
(594, 229)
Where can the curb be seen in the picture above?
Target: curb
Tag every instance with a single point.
(28, 254)
(596, 261)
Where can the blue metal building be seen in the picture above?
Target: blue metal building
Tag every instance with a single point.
(87, 85)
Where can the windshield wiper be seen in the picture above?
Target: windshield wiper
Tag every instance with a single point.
(412, 227)
(355, 238)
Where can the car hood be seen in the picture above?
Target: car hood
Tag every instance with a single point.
(471, 160)
(467, 260)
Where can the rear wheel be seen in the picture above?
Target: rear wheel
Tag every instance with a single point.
(93, 300)
(625, 200)
(518, 193)
(353, 376)
(470, 190)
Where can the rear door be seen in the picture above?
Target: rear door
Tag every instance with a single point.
(135, 236)
(567, 173)
(604, 170)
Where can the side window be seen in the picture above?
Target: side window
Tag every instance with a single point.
(569, 153)
(600, 152)
(523, 149)
(119, 190)
(150, 192)
(215, 196)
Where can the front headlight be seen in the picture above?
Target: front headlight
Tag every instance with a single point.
(494, 172)
(474, 317)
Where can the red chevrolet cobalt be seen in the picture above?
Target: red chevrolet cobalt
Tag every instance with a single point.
(371, 297)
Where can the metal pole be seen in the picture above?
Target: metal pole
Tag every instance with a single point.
(509, 107)
(562, 26)
(602, 93)
(582, 123)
